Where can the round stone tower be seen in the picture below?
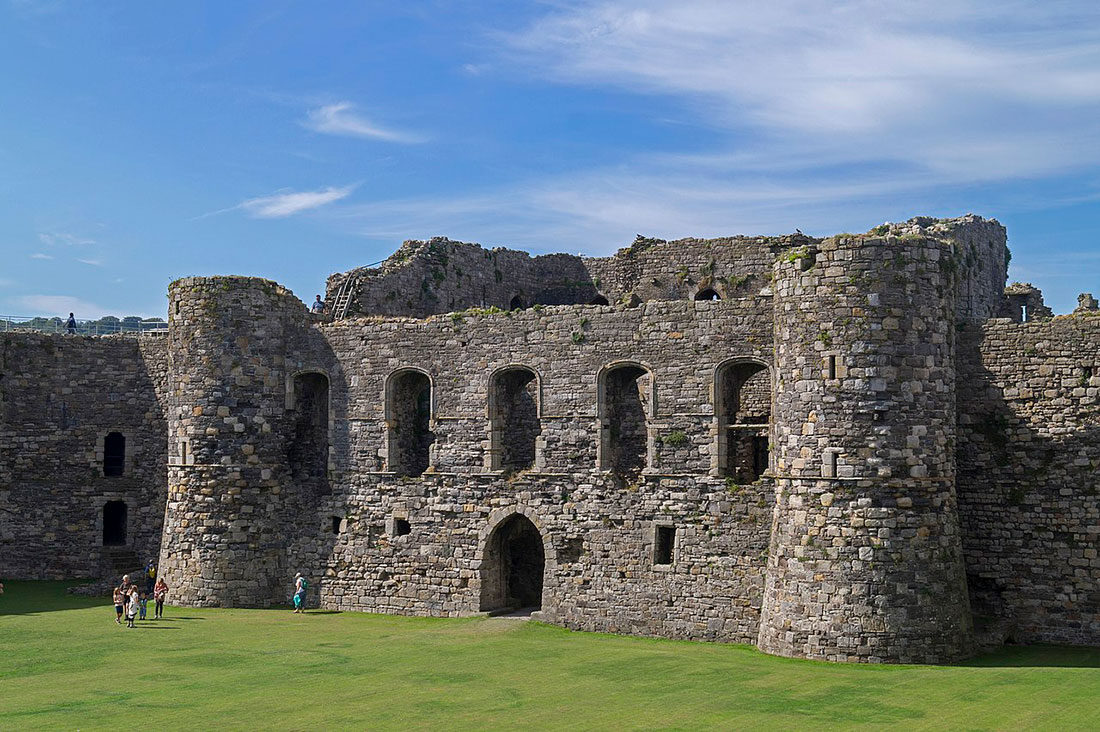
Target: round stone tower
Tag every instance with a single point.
(865, 562)
(228, 514)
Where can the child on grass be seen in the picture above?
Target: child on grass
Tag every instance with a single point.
(142, 603)
(118, 605)
(132, 607)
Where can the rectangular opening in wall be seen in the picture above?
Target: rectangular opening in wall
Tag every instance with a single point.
(336, 524)
(664, 544)
(401, 527)
(831, 367)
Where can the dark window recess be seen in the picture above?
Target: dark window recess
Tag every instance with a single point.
(599, 300)
(515, 418)
(570, 550)
(759, 455)
(401, 527)
(336, 524)
(114, 523)
(307, 453)
(664, 544)
(516, 303)
(411, 413)
(627, 390)
(114, 454)
(707, 294)
(832, 367)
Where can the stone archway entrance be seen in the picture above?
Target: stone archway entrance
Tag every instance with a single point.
(512, 566)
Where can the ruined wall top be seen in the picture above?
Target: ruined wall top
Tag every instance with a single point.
(440, 275)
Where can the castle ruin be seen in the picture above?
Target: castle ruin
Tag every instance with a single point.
(855, 448)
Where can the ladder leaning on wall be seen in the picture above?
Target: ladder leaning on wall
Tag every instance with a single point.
(343, 297)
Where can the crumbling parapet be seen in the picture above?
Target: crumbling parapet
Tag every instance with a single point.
(1086, 304)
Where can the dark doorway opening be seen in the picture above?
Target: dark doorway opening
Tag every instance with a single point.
(512, 567)
(516, 303)
(308, 450)
(114, 523)
(410, 416)
(599, 300)
(514, 418)
(114, 454)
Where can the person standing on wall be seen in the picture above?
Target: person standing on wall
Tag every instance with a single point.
(70, 324)
(300, 587)
(160, 592)
(318, 306)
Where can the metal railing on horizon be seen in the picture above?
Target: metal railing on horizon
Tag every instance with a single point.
(103, 326)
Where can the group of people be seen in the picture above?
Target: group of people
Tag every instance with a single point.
(133, 604)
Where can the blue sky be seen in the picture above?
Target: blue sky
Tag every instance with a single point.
(140, 142)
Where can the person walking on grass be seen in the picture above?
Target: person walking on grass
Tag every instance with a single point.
(132, 606)
(160, 591)
(300, 586)
(124, 590)
(118, 605)
(143, 605)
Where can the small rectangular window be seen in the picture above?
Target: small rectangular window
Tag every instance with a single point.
(832, 367)
(336, 524)
(401, 527)
(664, 544)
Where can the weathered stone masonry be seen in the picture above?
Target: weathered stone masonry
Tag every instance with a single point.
(930, 482)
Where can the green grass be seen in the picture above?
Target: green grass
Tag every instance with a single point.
(66, 664)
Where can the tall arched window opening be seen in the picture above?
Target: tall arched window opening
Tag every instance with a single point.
(513, 418)
(409, 415)
(114, 454)
(743, 392)
(308, 449)
(625, 395)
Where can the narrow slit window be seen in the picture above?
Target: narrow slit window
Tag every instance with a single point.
(114, 454)
(336, 524)
(664, 545)
(832, 367)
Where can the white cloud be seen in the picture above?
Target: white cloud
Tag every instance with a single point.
(280, 205)
(995, 89)
(41, 255)
(341, 119)
(92, 262)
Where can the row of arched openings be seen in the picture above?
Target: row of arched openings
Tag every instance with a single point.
(742, 401)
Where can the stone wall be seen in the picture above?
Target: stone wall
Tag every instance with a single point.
(60, 397)
(1029, 476)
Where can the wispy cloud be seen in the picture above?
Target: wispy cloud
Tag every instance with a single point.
(990, 88)
(282, 204)
(55, 238)
(91, 262)
(342, 119)
(41, 255)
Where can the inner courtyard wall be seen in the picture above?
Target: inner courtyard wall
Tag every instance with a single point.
(60, 396)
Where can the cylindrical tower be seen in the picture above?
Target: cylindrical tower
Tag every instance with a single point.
(865, 562)
(229, 517)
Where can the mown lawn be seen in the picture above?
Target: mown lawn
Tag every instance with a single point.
(64, 663)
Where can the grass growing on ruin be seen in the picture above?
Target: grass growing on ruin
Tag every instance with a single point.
(67, 665)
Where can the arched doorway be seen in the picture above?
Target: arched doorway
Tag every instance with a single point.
(512, 566)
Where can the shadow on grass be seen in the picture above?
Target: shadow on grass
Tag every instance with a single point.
(26, 597)
(1038, 656)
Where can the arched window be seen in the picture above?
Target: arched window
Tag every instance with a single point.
(743, 398)
(599, 300)
(307, 452)
(513, 418)
(114, 523)
(409, 416)
(625, 395)
(114, 454)
(516, 303)
(708, 293)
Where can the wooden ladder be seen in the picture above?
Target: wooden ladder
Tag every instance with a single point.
(343, 297)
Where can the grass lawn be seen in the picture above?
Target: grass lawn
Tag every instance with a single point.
(66, 664)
